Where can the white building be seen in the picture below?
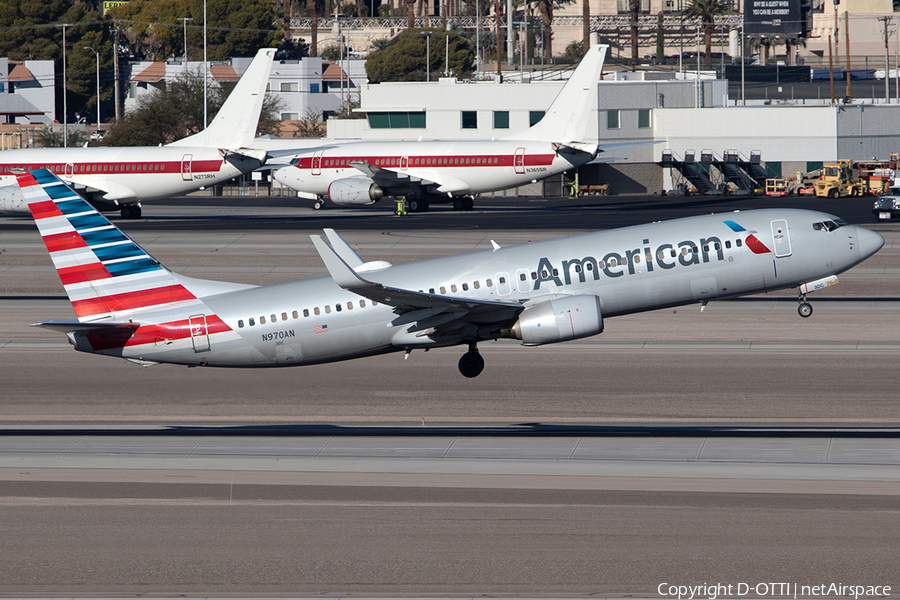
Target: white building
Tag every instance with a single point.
(27, 91)
(306, 87)
(681, 115)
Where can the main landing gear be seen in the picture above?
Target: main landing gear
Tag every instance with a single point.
(805, 308)
(131, 211)
(471, 364)
(417, 205)
(463, 203)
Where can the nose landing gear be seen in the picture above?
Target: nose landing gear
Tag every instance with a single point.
(805, 309)
(471, 364)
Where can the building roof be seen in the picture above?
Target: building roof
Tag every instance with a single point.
(153, 74)
(223, 73)
(13, 104)
(21, 73)
(334, 73)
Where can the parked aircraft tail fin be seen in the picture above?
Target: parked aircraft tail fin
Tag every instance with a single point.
(234, 126)
(106, 275)
(568, 118)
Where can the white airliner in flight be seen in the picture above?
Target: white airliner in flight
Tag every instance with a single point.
(121, 177)
(359, 173)
(128, 305)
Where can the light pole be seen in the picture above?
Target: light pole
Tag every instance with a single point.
(65, 96)
(205, 68)
(447, 50)
(427, 35)
(184, 21)
(97, 54)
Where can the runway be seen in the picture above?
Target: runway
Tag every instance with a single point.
(741, 443)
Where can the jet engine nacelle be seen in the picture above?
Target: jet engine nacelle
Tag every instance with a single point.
(12, 201)
(354, 191)
(559, 320)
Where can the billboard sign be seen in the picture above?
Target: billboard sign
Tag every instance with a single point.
(772, 17)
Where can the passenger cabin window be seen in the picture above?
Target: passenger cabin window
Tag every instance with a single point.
(327, 309)
(337, 307)
(240, 323)
(252, 322)
(465, 287)
(293, 314)
(443, 290)
(305, 312)
(274, 320)
(362, 303)
(262, 320)
(316, 311)
(453, 288)
(476, 285)
(349, 306)
(738, 242)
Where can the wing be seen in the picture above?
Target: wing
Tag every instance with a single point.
(434, 315)
(396, 182)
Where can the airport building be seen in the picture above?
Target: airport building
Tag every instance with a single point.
(684, 116)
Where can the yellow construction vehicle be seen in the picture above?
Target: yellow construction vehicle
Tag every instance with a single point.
(839, 179)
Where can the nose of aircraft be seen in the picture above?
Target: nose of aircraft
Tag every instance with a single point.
(869, 242)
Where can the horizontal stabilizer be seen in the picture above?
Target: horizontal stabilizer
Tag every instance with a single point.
(66, 326)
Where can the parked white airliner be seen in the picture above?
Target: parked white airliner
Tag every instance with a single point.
(121, 177)
(359, 173)
(128, 305)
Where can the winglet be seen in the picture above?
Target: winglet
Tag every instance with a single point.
(342, 273)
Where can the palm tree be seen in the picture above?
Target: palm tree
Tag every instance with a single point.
(707, 11)
(634, 7)
(546, 7)
(314, 7)
(586, 25)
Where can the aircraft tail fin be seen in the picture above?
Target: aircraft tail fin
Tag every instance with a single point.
(107, 276)
(567, 119)
(234, 126)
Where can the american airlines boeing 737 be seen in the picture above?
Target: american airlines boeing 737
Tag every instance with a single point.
(120, 178)
(426, 172)
(130, 306)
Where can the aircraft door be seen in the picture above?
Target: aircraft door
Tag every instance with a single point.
(519, 161)
(523, 283)
(70, 169)
(186, 174)
(317, 163)
(503, 287)
(199, 333)
(404, 163)
(782, 238)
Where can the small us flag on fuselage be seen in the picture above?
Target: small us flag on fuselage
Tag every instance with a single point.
(320, 328)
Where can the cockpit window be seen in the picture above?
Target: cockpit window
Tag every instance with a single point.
(829, 225)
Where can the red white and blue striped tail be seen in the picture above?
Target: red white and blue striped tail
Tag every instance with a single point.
(106, 275)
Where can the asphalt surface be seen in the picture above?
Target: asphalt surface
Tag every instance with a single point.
(741, 444)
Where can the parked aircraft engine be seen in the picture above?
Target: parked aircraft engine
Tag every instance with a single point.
(559, 320)
(354, 191)
(11, 200)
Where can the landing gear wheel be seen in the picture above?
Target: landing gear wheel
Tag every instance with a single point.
(319, 204)
(471, 364)
(130, 211)
(469, 203)
(418, 205)
(805, 310)
(459, 204)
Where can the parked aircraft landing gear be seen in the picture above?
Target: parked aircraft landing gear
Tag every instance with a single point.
(418, 205)
(463, 203)
(805, 308)
(318, 204)
(471, 364)
(130, 211)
